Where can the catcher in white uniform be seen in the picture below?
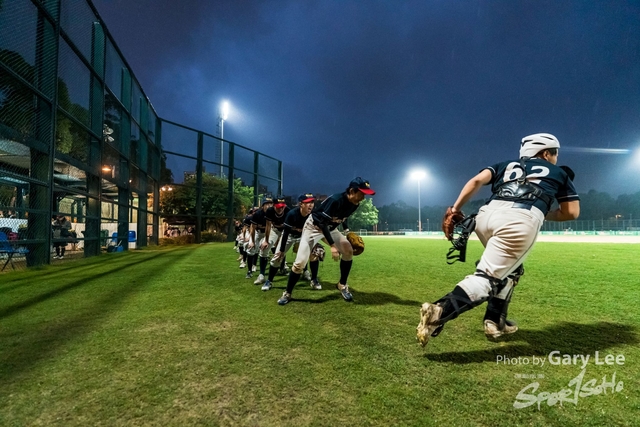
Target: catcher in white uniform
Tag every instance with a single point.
(524, 192)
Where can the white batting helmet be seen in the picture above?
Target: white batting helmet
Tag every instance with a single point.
(533, 144)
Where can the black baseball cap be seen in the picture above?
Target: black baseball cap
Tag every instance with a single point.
(306, 198)
(280, 203)
(266, 200)
(362, 185)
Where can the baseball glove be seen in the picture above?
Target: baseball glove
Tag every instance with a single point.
(356, 242)
(318, 252)
(449, 222)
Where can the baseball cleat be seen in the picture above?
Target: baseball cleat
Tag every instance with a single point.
(306, 275)
(429, 316)
(243, 264)
(259, 280)
(316, 285)
(267, 285)
(249, 275)
(344, 290)
(284, 299)
(492, 331)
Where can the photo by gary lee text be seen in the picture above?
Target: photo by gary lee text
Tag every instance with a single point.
(556, 358)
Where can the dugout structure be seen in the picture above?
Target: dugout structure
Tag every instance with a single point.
(79, 137)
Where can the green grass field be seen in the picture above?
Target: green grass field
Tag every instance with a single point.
(178, 337)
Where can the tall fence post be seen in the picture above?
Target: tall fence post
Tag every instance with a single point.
(231, 203)
(199, 187)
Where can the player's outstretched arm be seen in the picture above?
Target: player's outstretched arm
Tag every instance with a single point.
(471, 187)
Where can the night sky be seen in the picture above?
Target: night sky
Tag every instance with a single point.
(338, 89)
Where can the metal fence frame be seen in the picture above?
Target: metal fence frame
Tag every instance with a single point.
(111, 181)
(229, 165)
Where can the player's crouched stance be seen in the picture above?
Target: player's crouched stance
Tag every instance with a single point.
(523, 192)
(323, 223)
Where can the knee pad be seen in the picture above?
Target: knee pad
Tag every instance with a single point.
(497, 285)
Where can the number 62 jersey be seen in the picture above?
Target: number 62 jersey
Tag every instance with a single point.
(553, 181)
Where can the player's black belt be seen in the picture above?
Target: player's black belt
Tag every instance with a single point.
(519, 205)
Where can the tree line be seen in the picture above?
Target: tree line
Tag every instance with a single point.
(594, 206)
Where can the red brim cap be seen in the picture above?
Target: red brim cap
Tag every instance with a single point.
(280, 205)
(367, 191)
(310, 199)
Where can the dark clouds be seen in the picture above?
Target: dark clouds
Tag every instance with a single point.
(343, 88)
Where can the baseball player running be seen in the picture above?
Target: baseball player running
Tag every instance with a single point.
(292, 231)
(523, 192)
(275, 216)
(323, 223)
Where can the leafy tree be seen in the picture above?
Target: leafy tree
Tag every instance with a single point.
(365, 217)
(596, 206)
(166, 175)
(215, 197)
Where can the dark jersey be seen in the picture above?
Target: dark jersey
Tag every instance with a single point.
(293, 224)
(553, 181)
(332, 212)
(277, 221)
(259, 220)
(247, 221)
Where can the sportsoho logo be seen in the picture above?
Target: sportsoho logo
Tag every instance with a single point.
(577, 388)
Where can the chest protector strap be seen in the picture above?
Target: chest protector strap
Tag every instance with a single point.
(520, 190)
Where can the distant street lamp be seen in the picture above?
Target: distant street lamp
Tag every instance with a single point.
(224, 113)
(419, 175)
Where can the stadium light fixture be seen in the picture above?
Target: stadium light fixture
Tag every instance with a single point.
(224, 114)
(419, 175)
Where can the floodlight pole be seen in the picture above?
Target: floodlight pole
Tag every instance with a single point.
(418, 175)
(221, 145)
(419, 216)
(224, 113)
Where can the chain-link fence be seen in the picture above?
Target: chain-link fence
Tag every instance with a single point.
(82, 167)
(77, 138)
(208, 182)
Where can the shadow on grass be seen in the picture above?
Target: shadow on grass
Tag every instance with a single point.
(565, 337)
(8, 311)
(43, 340)
(381, 298)
(47, 273)
(364, 298)
(52, 272)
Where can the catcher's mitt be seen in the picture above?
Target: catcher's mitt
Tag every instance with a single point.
(318, 252)
(449, 222)
(356, 242)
